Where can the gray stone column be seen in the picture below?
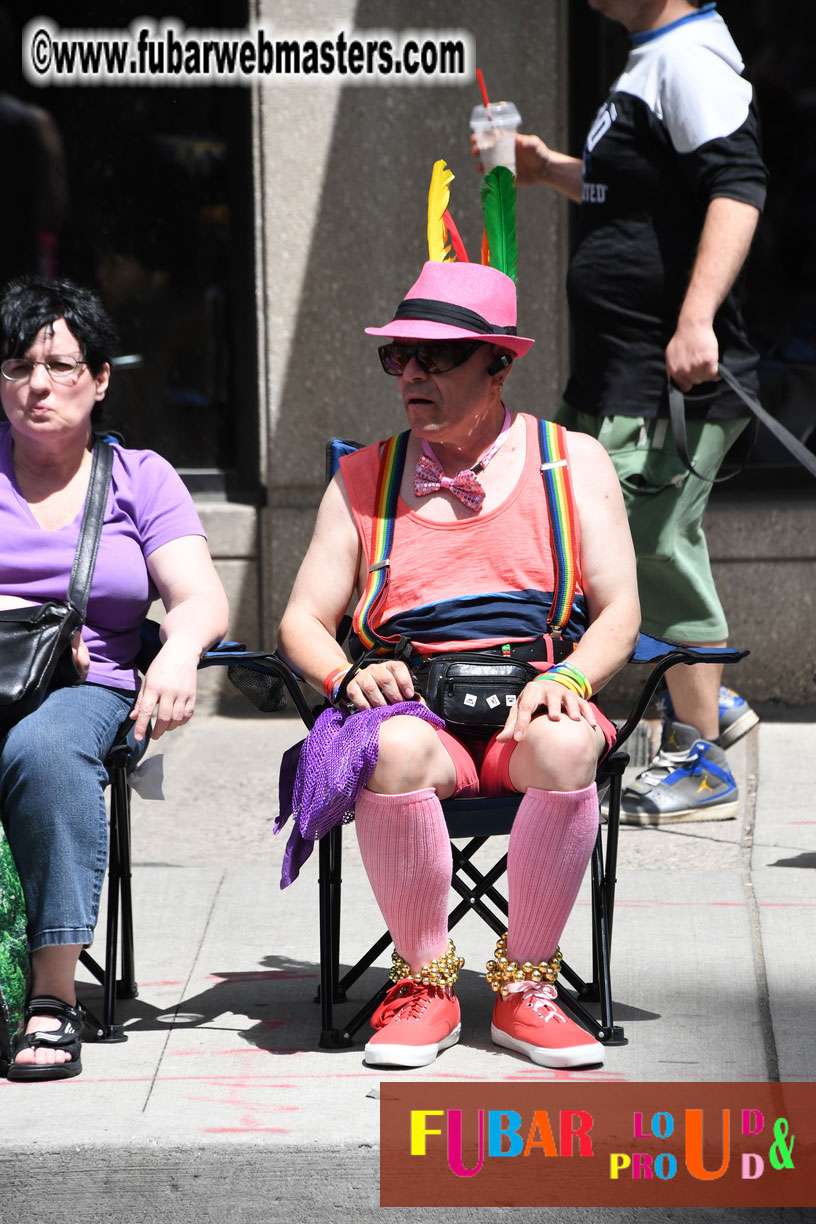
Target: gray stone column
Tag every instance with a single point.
(342, 183)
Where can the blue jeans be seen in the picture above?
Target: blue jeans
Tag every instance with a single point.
(52, 779)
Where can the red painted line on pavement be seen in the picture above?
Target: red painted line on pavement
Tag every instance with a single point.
(642, 901)
(787, 904)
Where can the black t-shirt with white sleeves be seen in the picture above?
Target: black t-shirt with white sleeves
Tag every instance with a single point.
(678, 129)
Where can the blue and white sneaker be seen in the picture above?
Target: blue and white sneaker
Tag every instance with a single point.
(689, 779)
(736, 716)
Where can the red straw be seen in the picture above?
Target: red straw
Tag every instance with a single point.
(483, 88)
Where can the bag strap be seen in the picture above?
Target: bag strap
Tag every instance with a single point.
(91, 528)
(561, 512)
(677, 412)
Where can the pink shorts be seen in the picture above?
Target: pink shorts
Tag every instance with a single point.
(483, 767)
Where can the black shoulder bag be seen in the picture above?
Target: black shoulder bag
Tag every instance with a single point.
(35, 641)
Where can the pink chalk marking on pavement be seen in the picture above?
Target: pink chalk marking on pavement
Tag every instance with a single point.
(264, 1105)
(613, 1077)
(244, 1130)
(160, 983)
(217, 1053)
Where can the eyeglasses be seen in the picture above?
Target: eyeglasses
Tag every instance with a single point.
(61, 369)
(432, 356)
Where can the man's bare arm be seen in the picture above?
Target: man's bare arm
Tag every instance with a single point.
(728, 230)
(537, 163)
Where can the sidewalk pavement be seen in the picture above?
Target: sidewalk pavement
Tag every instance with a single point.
(221, 1102)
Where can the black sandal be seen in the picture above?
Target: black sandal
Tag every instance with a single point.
(67, 1037)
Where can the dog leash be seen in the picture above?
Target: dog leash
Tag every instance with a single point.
(677, 413)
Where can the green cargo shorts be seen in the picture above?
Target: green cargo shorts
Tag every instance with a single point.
(665, 504)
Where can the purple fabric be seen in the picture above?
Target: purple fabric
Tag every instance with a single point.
(321, 777)
(148, 505)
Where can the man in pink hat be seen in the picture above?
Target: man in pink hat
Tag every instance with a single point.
(444, 539)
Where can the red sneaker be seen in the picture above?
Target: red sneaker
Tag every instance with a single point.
(414, 1023)
(529, 1021)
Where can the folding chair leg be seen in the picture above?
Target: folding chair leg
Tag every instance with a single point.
(482, 886)
(126, 986)
(603, 895)
(119, 905)
(612, 834)
(330, 871)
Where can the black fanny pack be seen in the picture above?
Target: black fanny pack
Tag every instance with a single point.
(472, 691)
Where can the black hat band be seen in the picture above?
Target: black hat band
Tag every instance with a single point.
(430, 311)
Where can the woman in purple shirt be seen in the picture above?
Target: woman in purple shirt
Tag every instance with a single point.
(57, 342)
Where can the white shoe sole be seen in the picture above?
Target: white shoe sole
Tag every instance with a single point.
(738, 728)
(569, 1056)
(406, 1055)
(719, 811)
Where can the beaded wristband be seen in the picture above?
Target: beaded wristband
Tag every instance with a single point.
(571, 678)
(440, 972)
(333, 681)
(501, 972)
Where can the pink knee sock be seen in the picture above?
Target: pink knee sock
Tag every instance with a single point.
(406, 852)
(550, 846)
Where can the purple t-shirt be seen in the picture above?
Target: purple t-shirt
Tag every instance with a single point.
(148, 505)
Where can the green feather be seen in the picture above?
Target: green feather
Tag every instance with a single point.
(499, 212)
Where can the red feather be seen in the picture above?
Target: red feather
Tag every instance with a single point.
(456, 240)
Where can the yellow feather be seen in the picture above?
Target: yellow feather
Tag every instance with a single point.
(438, 198)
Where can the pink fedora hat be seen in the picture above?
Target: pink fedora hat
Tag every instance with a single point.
(458, 301)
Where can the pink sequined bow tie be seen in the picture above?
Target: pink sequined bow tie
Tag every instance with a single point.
(429, 476)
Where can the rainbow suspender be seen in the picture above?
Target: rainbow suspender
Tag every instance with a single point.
(560, 507)
(392, 462)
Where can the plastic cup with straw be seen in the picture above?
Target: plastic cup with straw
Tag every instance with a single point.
(495, 125)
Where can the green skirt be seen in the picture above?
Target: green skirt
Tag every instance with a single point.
(13, 951)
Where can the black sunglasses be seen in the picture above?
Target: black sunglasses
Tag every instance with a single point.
(432, 356)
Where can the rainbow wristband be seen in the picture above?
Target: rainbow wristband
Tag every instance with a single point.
(571, 678)
(333, 681)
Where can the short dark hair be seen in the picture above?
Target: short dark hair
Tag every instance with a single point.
(33, 302)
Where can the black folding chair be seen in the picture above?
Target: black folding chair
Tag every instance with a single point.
(476, 820)
(116, 973)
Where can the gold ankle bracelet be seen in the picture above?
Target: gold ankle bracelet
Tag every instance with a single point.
(440, 972)
(501, 971)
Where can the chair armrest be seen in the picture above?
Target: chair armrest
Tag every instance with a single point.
(664, 654)
(261, 676)
(653, 649)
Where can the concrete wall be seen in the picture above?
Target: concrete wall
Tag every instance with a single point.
(344, 178)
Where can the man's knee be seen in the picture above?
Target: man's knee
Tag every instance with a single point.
(410, 756)
(560, 755)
